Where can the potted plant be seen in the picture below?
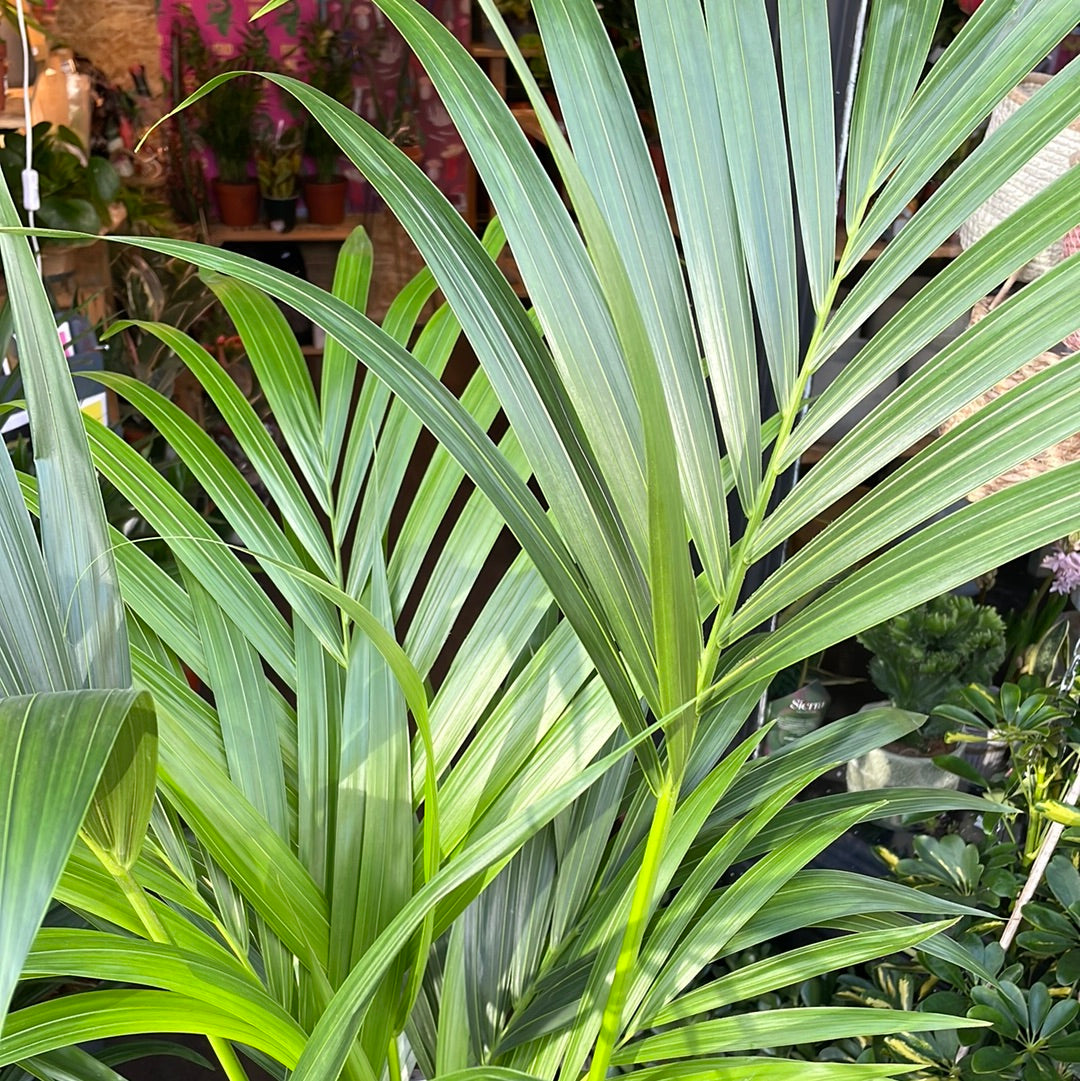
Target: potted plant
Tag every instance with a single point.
(920, 658)
(277, 166)
(327, 63)
(1025, 727)
(77, 191)
(225, 121)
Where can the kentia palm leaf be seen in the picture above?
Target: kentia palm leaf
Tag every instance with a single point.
(602, 741)
(64, 669)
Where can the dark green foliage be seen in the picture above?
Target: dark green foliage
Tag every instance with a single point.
(925, 654)
(225, 121)
(327, 62)
(75, 191)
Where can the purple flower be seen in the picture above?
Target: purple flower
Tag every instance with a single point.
(1065, 567)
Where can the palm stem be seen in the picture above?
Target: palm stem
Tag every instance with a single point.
(156, 932)
(640, 910)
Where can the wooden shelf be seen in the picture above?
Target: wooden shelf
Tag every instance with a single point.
(482, 51)
(304, 233)
(529, 122)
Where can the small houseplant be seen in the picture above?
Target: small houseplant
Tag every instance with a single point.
(327, 63)
(920, 658)
(225, 124)
(76, 190)
(277, 166)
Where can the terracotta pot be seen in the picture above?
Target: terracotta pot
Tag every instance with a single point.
(238, 204)
(326, 202)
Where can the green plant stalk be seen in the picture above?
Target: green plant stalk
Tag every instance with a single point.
(640, 906)
(773, 470)
(393, 1060)
(156, 932)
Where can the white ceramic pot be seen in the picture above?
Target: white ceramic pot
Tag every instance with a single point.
(881, 768)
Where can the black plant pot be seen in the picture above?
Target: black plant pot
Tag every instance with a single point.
(280, 214)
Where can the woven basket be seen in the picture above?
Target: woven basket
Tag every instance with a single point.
(1050, 163)
(1070, 245)
(1068, 450)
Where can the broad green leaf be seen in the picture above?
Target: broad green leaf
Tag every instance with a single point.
(746, 78)
(791, 967)
(174, 698)
(98, 956)
(100, 1014)
(352, 280)
(46, 795)
(283, 376)
(250, 432)
(374, 815)
(810, 1024)
(894, 54)
(688, 118)
(120, 811)
(74, 535)
(641, 277)
(452, 1050)
(806, 53)
(319, 696)
(242, 699)
(33, 650)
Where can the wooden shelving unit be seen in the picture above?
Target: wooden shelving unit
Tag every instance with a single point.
(304, 233)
